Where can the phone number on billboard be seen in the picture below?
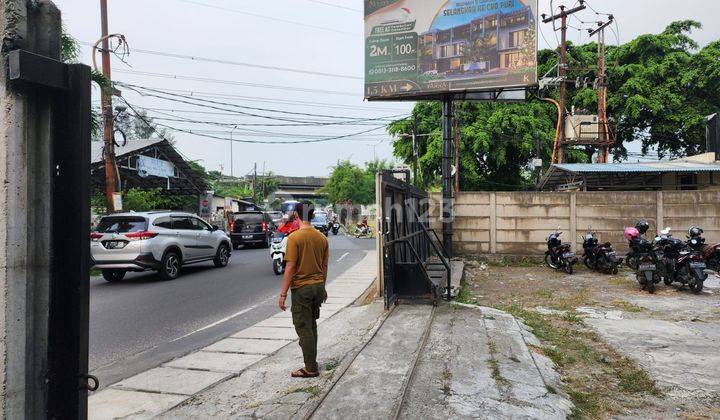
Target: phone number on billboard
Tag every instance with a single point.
(393, 69)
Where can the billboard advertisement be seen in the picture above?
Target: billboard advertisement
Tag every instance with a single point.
(423, 48)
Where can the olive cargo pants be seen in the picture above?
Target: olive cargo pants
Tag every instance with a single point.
(306, 301)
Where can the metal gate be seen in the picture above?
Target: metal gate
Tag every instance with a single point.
(409, 247)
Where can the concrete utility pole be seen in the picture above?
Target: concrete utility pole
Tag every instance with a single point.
(107, 112)
(563, 67)
(254, 184)
(605, 138)
(232, 172)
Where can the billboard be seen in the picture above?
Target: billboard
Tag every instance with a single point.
(425, 48)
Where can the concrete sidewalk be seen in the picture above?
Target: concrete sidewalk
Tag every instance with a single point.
(155, 391)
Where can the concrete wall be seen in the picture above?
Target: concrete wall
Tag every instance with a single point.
(25, 213)
(516, 223)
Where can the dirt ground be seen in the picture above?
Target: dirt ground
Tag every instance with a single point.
(622, 352)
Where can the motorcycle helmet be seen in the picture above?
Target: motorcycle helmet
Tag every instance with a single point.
(631, 233)
(642, 226)
(695, 232)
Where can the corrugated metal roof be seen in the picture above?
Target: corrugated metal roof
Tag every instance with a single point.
(643, 167)
(96, 154)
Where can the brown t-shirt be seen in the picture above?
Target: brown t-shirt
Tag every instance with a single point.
(309, 249)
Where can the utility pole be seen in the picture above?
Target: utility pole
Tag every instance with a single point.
(264, 178)
(232, 172)
(254, 184)
(107, 112)
(605, 138)
(563, 67)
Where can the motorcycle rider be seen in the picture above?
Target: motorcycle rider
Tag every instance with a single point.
(290, 225)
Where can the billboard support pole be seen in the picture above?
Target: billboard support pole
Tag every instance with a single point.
(447, 185)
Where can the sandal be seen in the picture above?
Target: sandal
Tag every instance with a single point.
(302, 373)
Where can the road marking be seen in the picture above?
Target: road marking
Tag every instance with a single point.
(244, 311)
(343, 256)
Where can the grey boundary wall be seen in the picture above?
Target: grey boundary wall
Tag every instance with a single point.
(517, 223)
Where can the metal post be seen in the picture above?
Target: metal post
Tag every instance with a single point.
(107, 112)
(415, 151)
(538, 155)
(447, 187)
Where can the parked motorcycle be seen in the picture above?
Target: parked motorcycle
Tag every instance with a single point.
(712, 257)
(277, 252)
(559, 256)
(647, 269)
(631, 259)
(684, 262)
(599, 257)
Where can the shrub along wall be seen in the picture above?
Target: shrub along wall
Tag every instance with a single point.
(518, 223)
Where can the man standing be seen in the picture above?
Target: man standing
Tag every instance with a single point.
(305, 275)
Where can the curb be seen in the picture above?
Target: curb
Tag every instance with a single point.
(167, 386)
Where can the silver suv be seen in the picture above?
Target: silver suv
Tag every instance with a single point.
(158, 240)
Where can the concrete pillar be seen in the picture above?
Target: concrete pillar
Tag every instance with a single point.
(493, 223)
(660, 212)
(573, 221)
(25, 213)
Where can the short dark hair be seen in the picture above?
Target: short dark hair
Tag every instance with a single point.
(305, 210)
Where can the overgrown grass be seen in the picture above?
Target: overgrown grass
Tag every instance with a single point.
(464, 295)
(331, 365)
(592, 370)
(627, 306)
(494, 366)
(95, 272)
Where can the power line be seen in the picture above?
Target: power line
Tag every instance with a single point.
(234, 82)
(136, 88)
(222, 124)
(335, 5)
(240, 124)
(194, 93)
(239, 63)
(143, 119)
(291, 122)
(256, 15)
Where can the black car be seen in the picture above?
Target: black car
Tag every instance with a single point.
(251, 228)
(320, 222)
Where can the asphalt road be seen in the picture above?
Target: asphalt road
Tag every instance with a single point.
(142, 322)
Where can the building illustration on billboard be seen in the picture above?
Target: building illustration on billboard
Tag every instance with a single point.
(424, 47)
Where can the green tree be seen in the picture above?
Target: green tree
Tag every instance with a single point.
(660, 88)
(350, 183)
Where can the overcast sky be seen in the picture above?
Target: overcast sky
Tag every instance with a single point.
(331, 43)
